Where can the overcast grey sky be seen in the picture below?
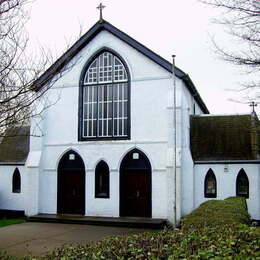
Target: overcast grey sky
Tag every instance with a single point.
(167, 27)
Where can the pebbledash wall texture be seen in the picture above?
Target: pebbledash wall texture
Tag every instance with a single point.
(157, 169)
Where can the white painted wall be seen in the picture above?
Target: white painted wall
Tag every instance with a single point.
(150, 86)
(8, 199)
(226, 184)
(91, 154)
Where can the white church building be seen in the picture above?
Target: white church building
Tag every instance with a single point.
(126, 134)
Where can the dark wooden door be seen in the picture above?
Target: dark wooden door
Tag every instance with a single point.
(72, 192)
(136, 193)
(71, 184)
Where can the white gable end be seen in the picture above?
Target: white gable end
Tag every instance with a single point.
(140, 66)
(150, 87)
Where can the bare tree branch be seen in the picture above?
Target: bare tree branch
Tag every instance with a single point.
(20, 69)
(241, 19)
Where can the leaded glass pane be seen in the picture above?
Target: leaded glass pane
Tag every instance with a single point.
(125, 126)
(210, 185)
(85, 128)
(91, 76)
(119, 70)
(105, 68)
(242, 184)
(105, 102)
(210, 188)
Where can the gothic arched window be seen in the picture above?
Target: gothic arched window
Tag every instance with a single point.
(104, 108)
(102, 180)
(210, 185)
(242, 184)
(16, 187)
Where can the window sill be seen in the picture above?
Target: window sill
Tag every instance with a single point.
(102, 197)
(210, 196)
(87, 139)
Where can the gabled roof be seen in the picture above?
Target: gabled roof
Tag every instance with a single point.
(14, 147)
(222, 138)
(104, 25)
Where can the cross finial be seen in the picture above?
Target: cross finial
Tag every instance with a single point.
(100, 8)
(253, 105)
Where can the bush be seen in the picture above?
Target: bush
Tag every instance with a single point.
(217, 213)
(217, 229)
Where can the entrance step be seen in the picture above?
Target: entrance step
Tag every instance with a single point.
(137, 222)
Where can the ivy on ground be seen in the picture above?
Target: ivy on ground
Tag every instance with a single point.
(216, 230)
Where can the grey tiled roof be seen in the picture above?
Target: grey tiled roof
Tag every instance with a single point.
(14, 147)
(233, 137)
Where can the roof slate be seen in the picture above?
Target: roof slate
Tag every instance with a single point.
(104, 25)
(215, 138)
(14, 147)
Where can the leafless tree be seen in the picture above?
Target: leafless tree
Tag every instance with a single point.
(241, 19)
(19, 68)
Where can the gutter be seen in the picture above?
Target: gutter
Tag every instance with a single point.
(12, 163)
(229, 162)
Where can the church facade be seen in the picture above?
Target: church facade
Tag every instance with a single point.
(124, 132)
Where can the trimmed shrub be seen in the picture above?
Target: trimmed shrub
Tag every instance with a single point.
(217, 213)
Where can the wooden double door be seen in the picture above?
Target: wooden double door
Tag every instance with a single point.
(71, 185)
(135, 187)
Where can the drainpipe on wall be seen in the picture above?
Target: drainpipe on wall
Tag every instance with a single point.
(174, 139)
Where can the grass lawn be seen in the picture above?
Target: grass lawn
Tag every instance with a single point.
(6, 222)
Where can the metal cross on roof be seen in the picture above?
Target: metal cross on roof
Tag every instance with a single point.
(253, 105)
(100, 8)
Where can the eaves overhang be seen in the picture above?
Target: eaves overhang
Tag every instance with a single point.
(12, 163)
(228, 162)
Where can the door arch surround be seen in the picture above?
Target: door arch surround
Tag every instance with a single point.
(135, 185)
(71, 184)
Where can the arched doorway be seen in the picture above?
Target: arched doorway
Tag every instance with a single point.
(71, 184)
(135, 185)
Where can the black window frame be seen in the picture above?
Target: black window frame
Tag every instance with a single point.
(210, 174)
(106, 174)
(16, 181)
(81, 137)
(243, 174)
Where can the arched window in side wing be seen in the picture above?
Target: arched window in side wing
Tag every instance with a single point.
(210, 185)
(16, 185)
(242, 184)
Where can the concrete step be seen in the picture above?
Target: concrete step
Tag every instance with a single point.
(100, 221)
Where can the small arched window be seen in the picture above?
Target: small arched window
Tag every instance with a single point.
(102, 180)
(104, 109)
(16, 181)
(210, 185)
(242, 184)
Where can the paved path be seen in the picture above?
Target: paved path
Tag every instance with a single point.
(39, 238)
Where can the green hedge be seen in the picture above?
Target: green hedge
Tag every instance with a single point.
(216, 213)
(216, 230)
